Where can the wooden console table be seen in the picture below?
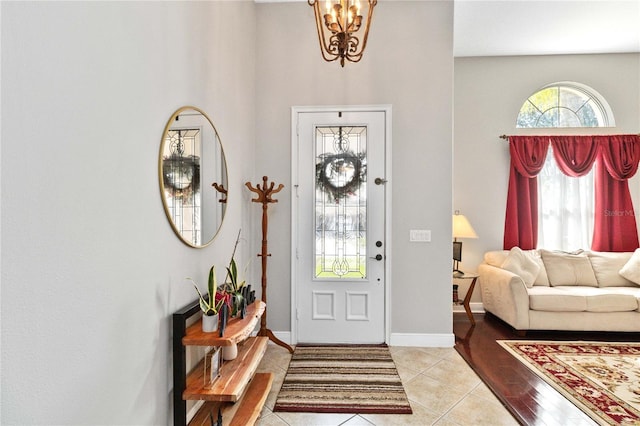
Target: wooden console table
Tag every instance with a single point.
(240, 393)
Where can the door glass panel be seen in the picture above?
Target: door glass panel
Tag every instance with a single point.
(341, 203)
(181, 166)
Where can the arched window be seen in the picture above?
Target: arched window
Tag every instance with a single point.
(565, 204)
(565, 104)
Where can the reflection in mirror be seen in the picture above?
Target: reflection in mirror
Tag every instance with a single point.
(193, 176)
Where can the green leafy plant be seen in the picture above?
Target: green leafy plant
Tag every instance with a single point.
(234, 286)
(212, 304)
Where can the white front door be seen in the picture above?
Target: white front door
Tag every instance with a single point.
(339, 242)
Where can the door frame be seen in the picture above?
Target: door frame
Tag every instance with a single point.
(295, 111)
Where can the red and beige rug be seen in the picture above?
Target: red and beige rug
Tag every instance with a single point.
(342, 379)
(601, 378)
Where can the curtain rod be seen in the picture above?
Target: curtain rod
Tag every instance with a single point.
(507, 137)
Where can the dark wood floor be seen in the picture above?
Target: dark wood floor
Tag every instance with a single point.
(531, 400)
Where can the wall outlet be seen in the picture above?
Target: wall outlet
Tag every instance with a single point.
(420, 235)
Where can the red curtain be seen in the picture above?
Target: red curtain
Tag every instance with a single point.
(528, 154)
(617, 158)
(574, 154)
(615, 226)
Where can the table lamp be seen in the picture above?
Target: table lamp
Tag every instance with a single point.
(461, 229)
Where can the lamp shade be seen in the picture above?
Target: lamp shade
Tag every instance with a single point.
(462, 228)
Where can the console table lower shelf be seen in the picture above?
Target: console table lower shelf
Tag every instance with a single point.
(235, 375)
(245, 412)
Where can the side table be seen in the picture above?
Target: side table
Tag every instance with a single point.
(467, 297)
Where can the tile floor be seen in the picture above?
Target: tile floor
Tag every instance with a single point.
(443, 390)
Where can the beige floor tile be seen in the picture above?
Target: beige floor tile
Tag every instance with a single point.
(443, 421)
(453, 373)
(406, 373)
(357, 421)
(414, 359)
(421, 416)
(276, 357)
(442, 353)
(270, 420)
(482, 391)
(315, 419)
(474, 410)
(438, 397)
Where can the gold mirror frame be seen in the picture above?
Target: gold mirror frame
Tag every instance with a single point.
(192, 171)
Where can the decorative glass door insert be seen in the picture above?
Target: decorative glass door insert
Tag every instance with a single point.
(341, 202)
(181, 166)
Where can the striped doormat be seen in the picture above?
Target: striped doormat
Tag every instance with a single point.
(342, 379)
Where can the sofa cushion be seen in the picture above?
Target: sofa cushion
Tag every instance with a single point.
(568, 268)
(629, 291)
(522, 265)
(631, 269)
(554, 299)
(607, 266)
(498, 257)
(582, 299)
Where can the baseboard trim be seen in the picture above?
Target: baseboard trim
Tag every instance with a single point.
(399, 339)
(476, 307)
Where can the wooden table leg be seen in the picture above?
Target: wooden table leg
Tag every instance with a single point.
(467, 300)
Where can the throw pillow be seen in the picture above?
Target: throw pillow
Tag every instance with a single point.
(607, 267)
(568, 268)
(496, 258)
(631, 269)
(541, 279)
(522, 265)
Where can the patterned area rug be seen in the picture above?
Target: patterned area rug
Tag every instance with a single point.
(342, 379)
(602, 379)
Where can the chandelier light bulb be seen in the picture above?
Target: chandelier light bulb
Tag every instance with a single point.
(339, 28)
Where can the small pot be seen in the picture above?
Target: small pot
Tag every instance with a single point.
(230, 352)
(209, 323)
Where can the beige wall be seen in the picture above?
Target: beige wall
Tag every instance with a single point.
(408, 64)
(91, 270)
(488, 95)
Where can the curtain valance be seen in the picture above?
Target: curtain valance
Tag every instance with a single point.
(615, 224)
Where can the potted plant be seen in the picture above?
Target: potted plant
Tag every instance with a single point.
(235, 288)
(211, 304)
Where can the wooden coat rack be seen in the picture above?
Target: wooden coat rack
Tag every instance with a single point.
(264, 196)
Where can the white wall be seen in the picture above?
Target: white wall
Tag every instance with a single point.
(408, 64)
(91, 270)
(488, 95)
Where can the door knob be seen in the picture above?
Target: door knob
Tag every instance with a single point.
(380, 181)
(377, 257)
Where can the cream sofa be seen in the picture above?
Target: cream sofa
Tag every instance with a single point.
(547, 290)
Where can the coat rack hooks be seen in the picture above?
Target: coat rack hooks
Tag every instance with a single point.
(264, 196)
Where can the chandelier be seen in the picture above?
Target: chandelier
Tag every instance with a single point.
(338, 25)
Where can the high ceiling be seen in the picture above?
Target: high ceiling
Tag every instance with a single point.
(531, 27)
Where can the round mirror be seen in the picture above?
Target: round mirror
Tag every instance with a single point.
(193, 176)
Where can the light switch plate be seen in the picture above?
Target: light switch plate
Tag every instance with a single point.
(420, 235)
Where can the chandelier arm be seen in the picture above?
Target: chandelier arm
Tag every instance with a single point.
(372, 4)
(324, 47)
